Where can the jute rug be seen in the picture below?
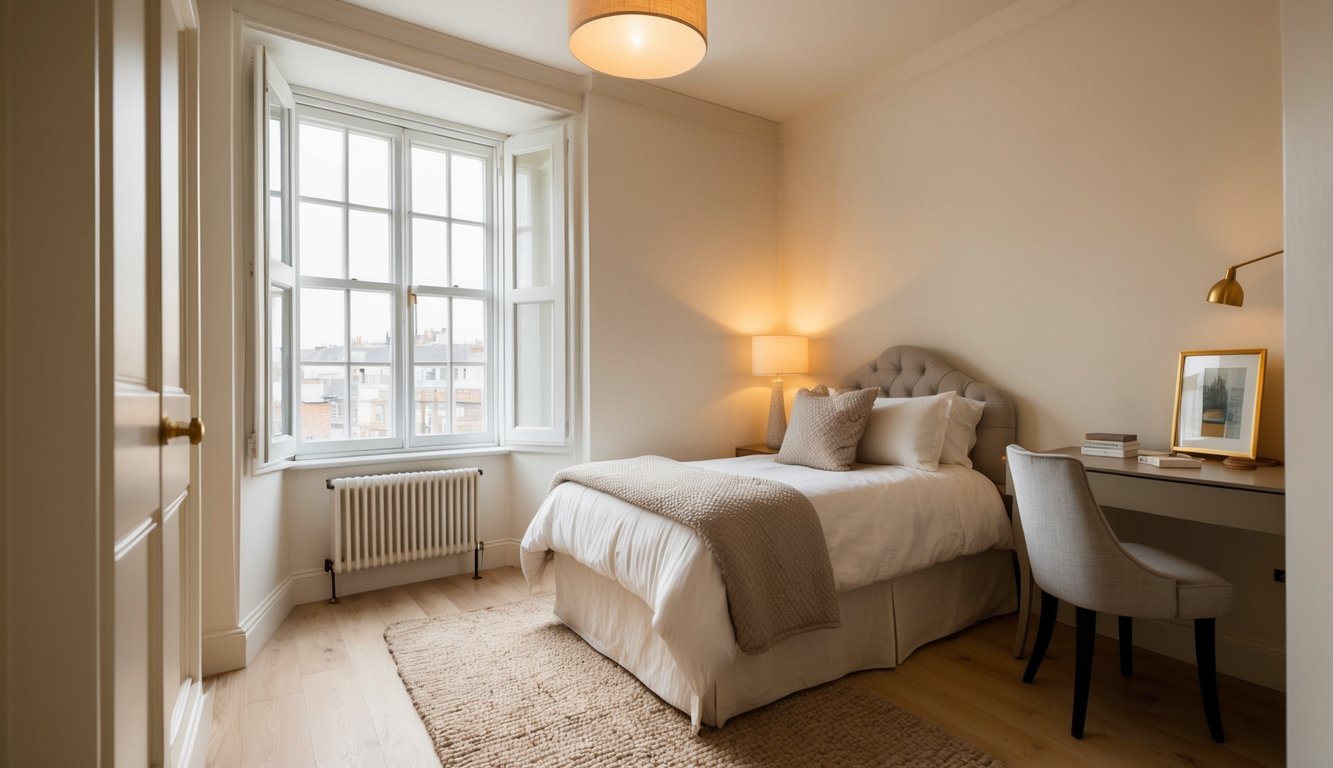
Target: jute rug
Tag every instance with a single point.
(512, 686)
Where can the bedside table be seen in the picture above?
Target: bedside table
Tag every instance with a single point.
(757, 449)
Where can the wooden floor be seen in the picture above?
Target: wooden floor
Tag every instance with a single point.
(324, 691)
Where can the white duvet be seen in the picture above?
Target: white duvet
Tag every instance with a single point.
(880, 522)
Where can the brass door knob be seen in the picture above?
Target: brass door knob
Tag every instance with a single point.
(193, 430)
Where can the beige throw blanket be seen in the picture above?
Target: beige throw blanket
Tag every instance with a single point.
(764, 535)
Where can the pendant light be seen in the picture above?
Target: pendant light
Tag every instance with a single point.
(639, 39)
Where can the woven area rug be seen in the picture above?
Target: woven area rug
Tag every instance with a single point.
(511, 685)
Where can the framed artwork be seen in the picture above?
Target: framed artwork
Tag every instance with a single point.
(1217, 402)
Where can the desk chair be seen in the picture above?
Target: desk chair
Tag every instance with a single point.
(1077, 558)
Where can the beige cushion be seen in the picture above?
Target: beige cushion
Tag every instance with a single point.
(1200, 593)
(825, 428)
(961, 433)
(906, 430)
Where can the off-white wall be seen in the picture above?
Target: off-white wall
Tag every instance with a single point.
(1049, 211)
(682, 270)
(1307, 59)
(57, 653)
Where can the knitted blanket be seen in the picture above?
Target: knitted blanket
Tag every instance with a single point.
(765, 536)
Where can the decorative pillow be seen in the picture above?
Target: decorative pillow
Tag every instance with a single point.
(907, 431)
(961, 434)
(825, 428)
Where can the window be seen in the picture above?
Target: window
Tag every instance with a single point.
(395, 290)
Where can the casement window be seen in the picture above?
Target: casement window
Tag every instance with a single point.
(409, 281)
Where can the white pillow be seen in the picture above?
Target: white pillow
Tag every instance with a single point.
(961, 434)
(907, 431)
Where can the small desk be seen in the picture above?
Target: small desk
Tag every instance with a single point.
(1252, 500)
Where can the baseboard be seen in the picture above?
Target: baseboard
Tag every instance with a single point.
(236, 648)
(1252, 660)
(314, 585)
(223, 651)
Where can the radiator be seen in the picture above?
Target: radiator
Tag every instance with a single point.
(387, 519)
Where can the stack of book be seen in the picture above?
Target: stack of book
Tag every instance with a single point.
(1111, 444)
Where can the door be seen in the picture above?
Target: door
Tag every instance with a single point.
(155, 683)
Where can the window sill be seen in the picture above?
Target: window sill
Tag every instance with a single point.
(396, 457)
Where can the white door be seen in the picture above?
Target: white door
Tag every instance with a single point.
(155, 698)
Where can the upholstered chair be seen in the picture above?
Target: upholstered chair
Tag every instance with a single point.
(1076, 557)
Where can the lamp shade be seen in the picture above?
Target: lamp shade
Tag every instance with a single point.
(776, 355)
(639, 39)
(1227, 290)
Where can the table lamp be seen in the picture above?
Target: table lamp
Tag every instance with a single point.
(774, 356)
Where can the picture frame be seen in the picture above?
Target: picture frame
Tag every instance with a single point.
(1218, 397)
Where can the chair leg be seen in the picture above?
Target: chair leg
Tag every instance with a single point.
(1205, 655)
(1127, 646)
(1050, 605)
(1086, 635)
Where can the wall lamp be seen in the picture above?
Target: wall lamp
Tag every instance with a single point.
(1227, 290)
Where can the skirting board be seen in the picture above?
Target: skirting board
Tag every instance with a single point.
(1243, 657)
(236, 648)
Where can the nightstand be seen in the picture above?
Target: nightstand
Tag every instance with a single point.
(757, 449)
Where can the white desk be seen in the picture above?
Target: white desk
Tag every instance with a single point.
(1253, 500)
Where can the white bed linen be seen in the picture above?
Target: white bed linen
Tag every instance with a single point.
(879, 522)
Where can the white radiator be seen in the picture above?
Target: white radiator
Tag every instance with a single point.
(387, 519)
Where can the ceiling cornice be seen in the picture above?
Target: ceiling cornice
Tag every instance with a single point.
(649, 95)
(357, 31)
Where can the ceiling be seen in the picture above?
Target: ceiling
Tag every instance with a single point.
(771, 58)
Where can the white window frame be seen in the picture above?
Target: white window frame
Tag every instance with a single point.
(551, 139)
(503, 297)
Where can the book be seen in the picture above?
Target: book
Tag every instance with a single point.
(1115, 437)
(1115, 453)
(1171, 462)
(1110, 444)
(1151, 452)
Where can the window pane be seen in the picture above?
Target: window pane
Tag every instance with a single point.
(279, 328)
(322, 328)
(321, 159)
(275, 153)
(467, 185)
(430, 252)
(429, 193)
(368, 170)
(368, 246)
(323, 402)
(534, 375)
(321, 240)
(532, 220)
(469, 342)
(430, 406)
(372, 317)
(469, 250)
(469, 398)
(372, 402)
(432, 330)
(274, 224)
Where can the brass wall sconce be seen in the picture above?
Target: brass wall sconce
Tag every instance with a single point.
(1227, 290)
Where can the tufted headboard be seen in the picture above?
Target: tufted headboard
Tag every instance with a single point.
(916, 372)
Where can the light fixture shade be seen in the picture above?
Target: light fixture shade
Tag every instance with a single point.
(639, 39)
(1227, 290)
(776, 355)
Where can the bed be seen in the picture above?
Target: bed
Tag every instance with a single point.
(915, 555)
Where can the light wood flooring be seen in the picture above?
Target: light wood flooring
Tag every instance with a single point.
(324, 692)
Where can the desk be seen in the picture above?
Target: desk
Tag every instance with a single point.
(1251, 500)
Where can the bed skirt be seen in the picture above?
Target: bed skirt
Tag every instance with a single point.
(882, 624)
